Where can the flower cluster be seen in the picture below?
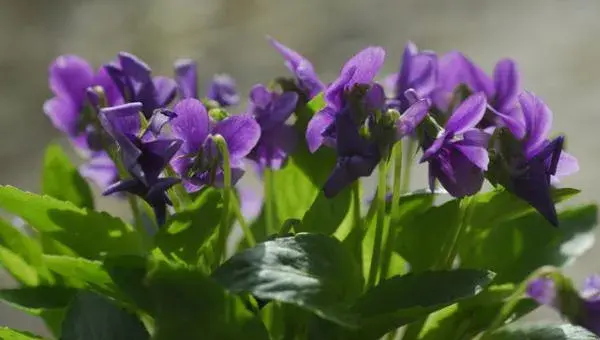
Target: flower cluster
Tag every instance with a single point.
(470, 126)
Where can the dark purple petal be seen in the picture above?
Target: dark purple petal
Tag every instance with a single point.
(542, 290)
(467, 114)
(223, 90)
(402, 80)
(457, 174)
(507, 82)
(159, 119)
(155, 156)
(532, 184)
(320, 122)
(538, 121)
(512, 121)
(133, 186)
(191, 124)
(111, 90)
(121, 119)
(411, 118)
(349, 141)
(260, 96)
(274, 147)
(375, 97)
(63, 113)
(348, 170)
(135, 68)
(165, 88)
(418, 71)
(435, 147)
(69, 76)
(187, 78)
(473, 147)
(241, 134)
(283, 107)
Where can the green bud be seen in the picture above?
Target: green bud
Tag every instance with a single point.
(218, 114)
(210, 104)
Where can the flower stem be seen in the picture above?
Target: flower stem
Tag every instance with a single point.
(242, 221)
(381, 190)
(392, 229)
(269, 208)
(223, 231)
(464, 216)
(408, 159)
(179, 196)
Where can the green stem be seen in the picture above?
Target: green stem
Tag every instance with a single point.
(463, 222)
(379, 227)
(242, 221)
(224, 228)
(179, 196)
(269, 209)
(408, 159)
(393, 229)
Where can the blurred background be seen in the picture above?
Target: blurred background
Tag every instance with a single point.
(555, 43)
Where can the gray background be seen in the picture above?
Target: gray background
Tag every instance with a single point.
(556, 44)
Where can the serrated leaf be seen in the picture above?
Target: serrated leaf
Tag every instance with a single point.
(89, 233)
(312, 271)
(185, 233)
(404, 299)
(93, 317)
(61, 179)
(18, 268)
(13, 334)
(541, 332)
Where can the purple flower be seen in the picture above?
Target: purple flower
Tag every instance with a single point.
(534, 162)
(198, 161)
(587, 307)
(301, 68)
(359, 70)
(271, 110)
(100, 169)
(144, 157)
(456, 69)
(134, 80)
(356, 156)
(418, 71)
(458, 156)
(222, 89)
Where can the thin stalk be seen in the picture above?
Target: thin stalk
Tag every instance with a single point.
(379, 228)
(408, 159)
(269, 208)
(224, 228)
(392, 230)
(242, 221)
(179, 196)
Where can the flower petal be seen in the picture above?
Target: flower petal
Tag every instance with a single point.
(567, 165)
(191, 124)
(260, 96)
(473, 146)
(457, 174)
(283, 107)
(101, 170)
(121, 119)
(241, 133)
(69, 77)
(63, 114)
(223, 90)
(135, 68)
(542, 290)
(274, 147)
(411, 118)
(316, 127)
(165, 88)
(111, 90)
(365, 65)
(538, 120)
(186, 77)
(467, 114)
(507, 82)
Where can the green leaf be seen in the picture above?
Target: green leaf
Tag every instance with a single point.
(13, 334)
(40, 297)
(541, 332)
(325, 215)
(61, 180)
(404, 299)
(93, 317)
(312, 271)
(128, 274)
(27, 249)
(188, 302)
(304, 191)
(18, 268)
(89, 233)
(184, 234)
(516, 247)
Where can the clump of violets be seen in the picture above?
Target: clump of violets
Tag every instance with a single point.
(582, 309)
(198, 162)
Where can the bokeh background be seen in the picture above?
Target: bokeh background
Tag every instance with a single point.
(555, 43)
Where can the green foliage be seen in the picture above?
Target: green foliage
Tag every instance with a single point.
(541, 332)
(13, 334)
(61, 180)
(89, 233)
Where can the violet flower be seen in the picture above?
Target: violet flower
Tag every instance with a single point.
(134, 80)
(222, 88)
(587, 311)
(418, 71)
(144, 157)
(458, 156)
(359, 70)
(536, 160)
(302, 69)
(70, 78)
(456, 69)
(198, 161)
(277, 140)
